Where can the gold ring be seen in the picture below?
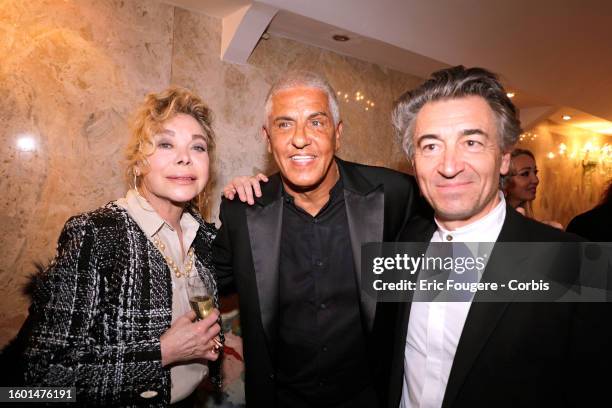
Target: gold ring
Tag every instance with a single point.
(217, 345)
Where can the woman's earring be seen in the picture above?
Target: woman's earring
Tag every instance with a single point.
(136, 174)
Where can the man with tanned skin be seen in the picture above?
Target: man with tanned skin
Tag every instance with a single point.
(312, 337)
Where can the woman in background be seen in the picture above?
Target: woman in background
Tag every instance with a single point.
(521, 183)
(110, 315)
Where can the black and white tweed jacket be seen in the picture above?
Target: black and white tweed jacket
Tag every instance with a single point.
(100, 308)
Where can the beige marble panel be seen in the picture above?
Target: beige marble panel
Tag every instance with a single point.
(568, 185)
(236, 94)
(71, 71)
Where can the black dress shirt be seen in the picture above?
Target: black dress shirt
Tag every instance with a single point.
(321, 359)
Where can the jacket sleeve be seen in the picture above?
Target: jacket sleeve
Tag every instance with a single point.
(61, 348)
(579, 226)
(222, 252)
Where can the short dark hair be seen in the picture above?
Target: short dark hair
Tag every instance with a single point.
(452, 83)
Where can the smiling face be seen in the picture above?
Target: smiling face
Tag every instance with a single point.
(303, 139)
(177, 171)
(523, 183)
(458, 160)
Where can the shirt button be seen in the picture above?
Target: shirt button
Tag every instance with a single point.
(449, 237)
(321, 383)
(315, 220)
(319, 263)
(323, 306)
(324, 348)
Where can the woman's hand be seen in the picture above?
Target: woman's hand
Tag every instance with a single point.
(188, 339)
(245, 186)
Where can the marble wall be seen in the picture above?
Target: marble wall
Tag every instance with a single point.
(236, 94)
(570, 183)
(72, 72)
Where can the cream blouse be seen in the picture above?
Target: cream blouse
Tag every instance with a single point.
(187, 376)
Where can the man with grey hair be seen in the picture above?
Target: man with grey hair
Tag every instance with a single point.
(458, 129)
(312, 336)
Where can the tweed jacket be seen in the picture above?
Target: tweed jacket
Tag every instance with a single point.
(100, 308)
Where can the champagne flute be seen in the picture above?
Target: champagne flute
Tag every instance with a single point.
(200, 297)
(201, 301)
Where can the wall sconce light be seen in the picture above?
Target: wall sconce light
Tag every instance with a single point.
(590, 156)
(562, 149)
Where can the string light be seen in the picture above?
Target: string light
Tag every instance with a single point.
(358, 97)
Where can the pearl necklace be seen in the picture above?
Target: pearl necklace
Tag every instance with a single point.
(173, 266)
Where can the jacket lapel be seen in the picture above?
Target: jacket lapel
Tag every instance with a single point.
(365, 212)
(365, 220)
(483, 317)
(264, 221)
(418, 230)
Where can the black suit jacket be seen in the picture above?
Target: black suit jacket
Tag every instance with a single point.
(246, 253)
(517, 354)
(594, 225)
(99, 309)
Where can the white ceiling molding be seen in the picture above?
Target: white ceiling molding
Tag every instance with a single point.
(306, 30)
(558, 51)
(550, 52)
(242, 30)
(530, 117)
(212, 8)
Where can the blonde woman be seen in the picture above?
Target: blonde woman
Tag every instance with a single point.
(110, 315)
(521, 184)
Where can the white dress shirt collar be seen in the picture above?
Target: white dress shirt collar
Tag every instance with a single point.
(486, 229)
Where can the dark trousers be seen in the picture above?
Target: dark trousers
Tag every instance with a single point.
(365, 398)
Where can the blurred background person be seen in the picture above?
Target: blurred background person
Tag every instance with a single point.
(521, 183)
(595, 224)
(110, 315)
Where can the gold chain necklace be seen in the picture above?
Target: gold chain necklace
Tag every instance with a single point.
(173, 266)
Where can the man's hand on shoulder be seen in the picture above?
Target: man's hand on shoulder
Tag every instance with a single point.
(247, 188)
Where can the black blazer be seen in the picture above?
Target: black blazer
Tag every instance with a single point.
(246, 253)
(517, 354)
(99, 310)
(594, 225)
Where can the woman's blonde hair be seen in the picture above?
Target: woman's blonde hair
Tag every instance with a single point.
(147, 122)
(505, 179)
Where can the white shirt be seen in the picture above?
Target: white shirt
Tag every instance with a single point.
(434, 328)
(187, 376)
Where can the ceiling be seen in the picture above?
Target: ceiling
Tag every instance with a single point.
(554, 54)
(573, 118)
